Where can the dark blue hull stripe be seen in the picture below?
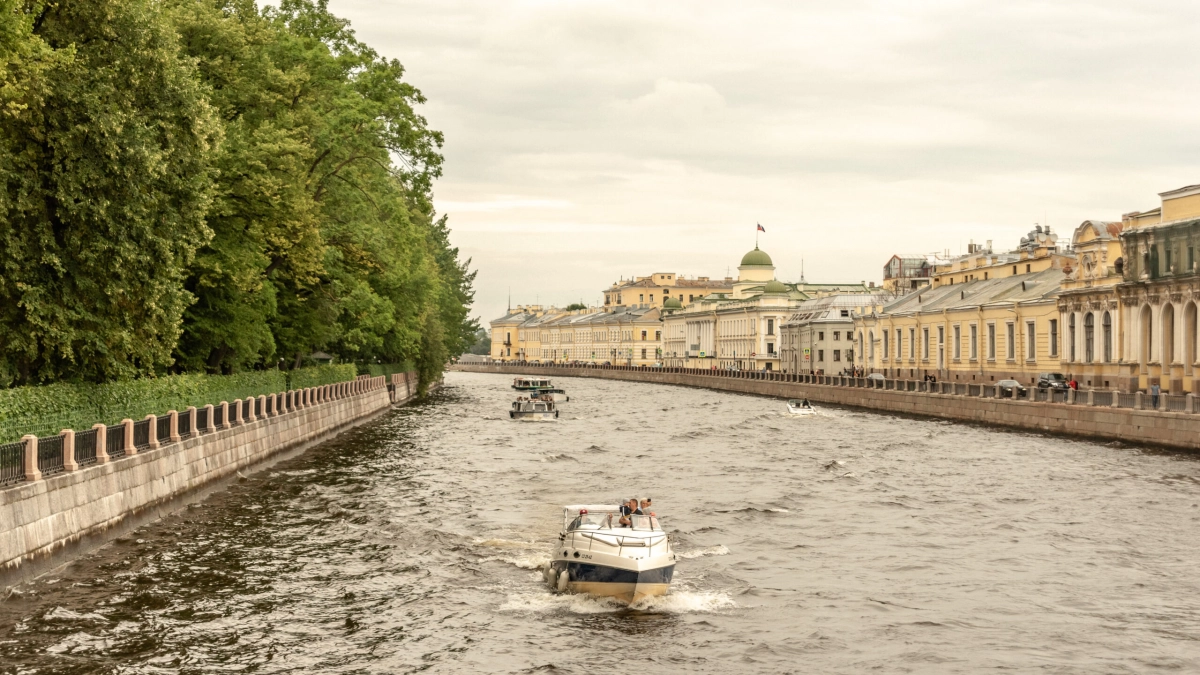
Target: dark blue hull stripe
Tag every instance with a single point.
(612, 575)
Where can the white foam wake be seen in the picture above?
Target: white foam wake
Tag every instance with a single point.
(704, 552)
(675, 602)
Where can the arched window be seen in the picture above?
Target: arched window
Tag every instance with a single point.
(1089, 337)
(1107, 328)
(1071, 336)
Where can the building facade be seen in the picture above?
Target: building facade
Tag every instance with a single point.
(819, 336)
(1088, 307)
(656, 289)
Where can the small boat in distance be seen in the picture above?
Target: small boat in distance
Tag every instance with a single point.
(531, 383)
(533, 410)
(596, 555)
(800, 407)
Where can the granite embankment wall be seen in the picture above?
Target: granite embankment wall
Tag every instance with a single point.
(1153, 427)
(44, 522)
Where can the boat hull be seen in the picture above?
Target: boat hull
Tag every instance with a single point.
(522, 416)
(623, 585)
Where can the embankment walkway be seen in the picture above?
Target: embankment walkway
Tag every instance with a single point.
(61, 506)
(1106, 415)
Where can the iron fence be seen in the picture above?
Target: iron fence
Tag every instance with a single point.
(50, 455)
(202, 420)
(141, 434)
(247, 408)
(114, 441)
(218, 415)
(259, 407)
(1126, 400)
(163, 429)
(184, 426)
(12, 463)
(85, 447)
(1176, 403)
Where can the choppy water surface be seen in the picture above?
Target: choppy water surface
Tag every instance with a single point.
(846, 542)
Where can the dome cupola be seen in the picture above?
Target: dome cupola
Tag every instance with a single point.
(774, 286)
(756, 258)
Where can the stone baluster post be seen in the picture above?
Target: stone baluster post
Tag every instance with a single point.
(237, 411)
(1162, 402)
(130, 448)
(101, 443)
(32, 472)
(153, 430)
(191, 413)
(68, 450)
(1116, 398)
(224, 415)
(1138, 401)
(209, 411)
(174, 425)
(1091, 400)
(262, 404)
(1190, 404)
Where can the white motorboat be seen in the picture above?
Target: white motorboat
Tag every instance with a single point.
(596, 555)
(533, 410)
(800, 407)
(556, 395)
(531, 384)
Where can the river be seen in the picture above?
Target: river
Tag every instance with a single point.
(842, 543)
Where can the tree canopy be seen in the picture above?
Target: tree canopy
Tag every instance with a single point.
(211, 186)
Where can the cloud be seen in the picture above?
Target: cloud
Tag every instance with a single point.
(589, 139)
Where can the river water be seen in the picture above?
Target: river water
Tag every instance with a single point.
(842, 543)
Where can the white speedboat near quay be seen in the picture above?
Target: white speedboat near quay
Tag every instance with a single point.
(531, 383)
(598, 556)
(800, 407)
(533, 410)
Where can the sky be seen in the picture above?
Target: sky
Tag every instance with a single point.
(593, 140)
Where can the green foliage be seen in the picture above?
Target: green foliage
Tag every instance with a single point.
(483, 343)
(48, 409)
(316, 376)
(576, 305)
(384, 369)
(106, 186)
(213, 187)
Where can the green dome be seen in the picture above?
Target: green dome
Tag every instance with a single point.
(672, 303)
(756, 257)
(774, 286)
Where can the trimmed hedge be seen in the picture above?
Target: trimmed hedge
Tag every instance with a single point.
(319, 375)
(48, 409)
(385, 369)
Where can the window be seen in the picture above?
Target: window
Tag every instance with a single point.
(641, 298)
(618, 299)
(1030, 340)
(845, 312)
(957, 343)
(885, 343)
(643, 335)
(899, 344)
(991, 342)
(657, 335)
(1089, 337)
(770, 326)
(850, 355)
(1106, 326)
(925, 344)
(985, 276)
(1191, 259)
(912, 343)
(1010, 349)
(871, 345)
(837, 355)
(643, 353)
(1071, 335)
(821, 355)
(689, 297)
(1014, 269)
(1053, 337)
(770, 347)
(1167, 252)
(1027, 268)
(837, 335)
(974, 342)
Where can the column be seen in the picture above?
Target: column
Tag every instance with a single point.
(153, 430)
(191, 413)
(101, 443)
(208, 414)
(31, 465)
(68, 450)
(174, 429)
(237, 412)
(130, 448)
(224, 416)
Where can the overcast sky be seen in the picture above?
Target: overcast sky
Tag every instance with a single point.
(592, 139)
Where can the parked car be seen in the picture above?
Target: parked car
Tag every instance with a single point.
(1011, 389)
(876, 376)
(1051, 381)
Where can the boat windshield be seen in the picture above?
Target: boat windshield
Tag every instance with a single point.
(648, 523)
(590, 521)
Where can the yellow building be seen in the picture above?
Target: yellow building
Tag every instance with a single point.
(986, 318)
(657, 288)
(1089, 308)
(1159, 293)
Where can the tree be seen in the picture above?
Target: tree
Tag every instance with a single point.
(106, 185)
(576, 305)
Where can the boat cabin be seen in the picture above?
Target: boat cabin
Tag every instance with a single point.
(583, 517)
(531, 383)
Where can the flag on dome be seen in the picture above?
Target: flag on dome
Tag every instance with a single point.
(761, 228)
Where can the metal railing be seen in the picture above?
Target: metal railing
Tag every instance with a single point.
(162, 429)
(202, 424)
(85, 447)
(12, 463)
(141, 434)
(50, 455)
(114, 441)
(184, 426)
(218, 419)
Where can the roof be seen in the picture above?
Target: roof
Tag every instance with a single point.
(756, 258)
(1020, 288)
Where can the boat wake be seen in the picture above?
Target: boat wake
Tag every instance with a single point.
(675, 602)
(704, 552)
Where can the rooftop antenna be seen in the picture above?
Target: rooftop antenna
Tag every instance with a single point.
(510, 298)
(802, 270)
